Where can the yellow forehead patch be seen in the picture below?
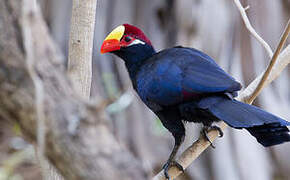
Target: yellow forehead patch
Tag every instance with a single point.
(117, 33)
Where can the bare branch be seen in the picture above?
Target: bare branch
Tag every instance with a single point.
(251, 29)
(282, 61)
(269, 68)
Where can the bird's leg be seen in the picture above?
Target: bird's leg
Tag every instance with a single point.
(206, 129)
(171, 119)
(171, 162)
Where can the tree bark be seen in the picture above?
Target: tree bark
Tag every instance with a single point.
(81, 45)
(86, 150)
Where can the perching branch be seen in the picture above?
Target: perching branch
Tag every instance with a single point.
(251, 92)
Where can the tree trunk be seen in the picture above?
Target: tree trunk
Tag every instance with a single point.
(81, 45)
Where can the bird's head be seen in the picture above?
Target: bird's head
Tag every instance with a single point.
(129, 43)
(123, 37)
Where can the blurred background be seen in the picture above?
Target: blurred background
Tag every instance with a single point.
(214, 27)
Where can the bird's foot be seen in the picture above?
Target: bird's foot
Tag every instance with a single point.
(168, 164)
(206, 129)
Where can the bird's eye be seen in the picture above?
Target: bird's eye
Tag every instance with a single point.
(128, 39)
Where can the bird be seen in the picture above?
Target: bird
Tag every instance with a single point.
(183, 84)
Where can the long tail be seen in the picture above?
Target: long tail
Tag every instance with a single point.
(268, 129)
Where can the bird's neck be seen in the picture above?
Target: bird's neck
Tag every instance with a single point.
(135, 56)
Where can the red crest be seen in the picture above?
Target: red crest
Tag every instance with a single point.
(136, 33)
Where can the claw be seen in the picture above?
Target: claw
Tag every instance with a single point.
(221, 133)
(204, 131)
(208, 128)
(168, 164)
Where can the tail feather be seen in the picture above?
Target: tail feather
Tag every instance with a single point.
(270, 134)
(267, 128)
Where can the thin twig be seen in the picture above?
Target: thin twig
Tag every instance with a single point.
(269, 68)
(251, 29)
(282, 62)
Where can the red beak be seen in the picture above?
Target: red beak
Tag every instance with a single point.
(112, 41)
(110, 45)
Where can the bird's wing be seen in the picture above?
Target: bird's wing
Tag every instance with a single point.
(200, 73)
(206, 78)
(179, 74)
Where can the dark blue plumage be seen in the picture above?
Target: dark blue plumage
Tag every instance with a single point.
(183, 84)
(176, 76)
(268, 129)
(180, 74)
